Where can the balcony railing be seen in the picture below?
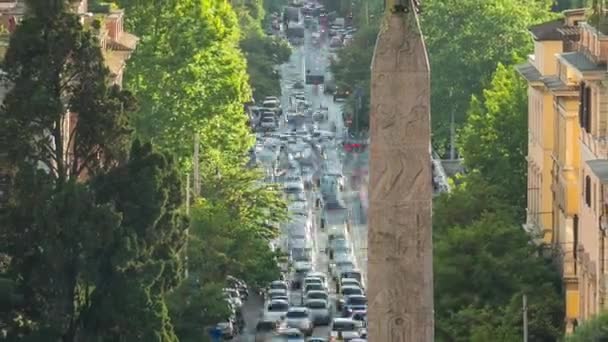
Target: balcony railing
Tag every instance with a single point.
(566, 259)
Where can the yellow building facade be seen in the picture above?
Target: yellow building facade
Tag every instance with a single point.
(568, 156)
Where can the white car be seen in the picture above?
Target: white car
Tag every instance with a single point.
(278, 284)
(299, 318)
(273, 293)
(316, 295)
(345, 328)
(234, 297)
(314, 280)
(350, 282)
(319, 310)
(276, 310)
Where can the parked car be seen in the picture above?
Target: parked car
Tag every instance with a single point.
(227, 329)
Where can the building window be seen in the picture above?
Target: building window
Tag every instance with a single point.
(595, 198)
(584, 109)
(588, 191)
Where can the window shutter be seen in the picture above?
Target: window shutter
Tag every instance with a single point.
(581, 105)
(588, 109)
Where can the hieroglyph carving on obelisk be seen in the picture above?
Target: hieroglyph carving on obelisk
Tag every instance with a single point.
(400, 252)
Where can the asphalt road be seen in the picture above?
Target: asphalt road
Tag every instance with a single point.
(291, 72)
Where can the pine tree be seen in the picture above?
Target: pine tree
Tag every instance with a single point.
(53, 67)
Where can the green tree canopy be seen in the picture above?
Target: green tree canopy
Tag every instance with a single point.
(466, 40)
(494, 139)
(481, 272)
(594, 329)
(54, 67)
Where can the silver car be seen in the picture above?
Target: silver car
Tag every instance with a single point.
(312, 295)
(319, 311)
(299, 318)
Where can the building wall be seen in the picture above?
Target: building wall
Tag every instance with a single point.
(540, 144)
(544, 52)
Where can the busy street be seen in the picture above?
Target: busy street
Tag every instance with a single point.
(322, 294)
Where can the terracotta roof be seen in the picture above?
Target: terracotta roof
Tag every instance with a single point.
(547, 31)
(529, 72)
(126, 42)
(115, 60)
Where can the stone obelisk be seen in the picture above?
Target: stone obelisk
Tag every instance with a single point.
(400, 251)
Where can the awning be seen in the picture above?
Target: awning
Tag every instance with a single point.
(599, 167)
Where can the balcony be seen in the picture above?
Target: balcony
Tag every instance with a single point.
(593, 40)
(567, 261)
(566, 193)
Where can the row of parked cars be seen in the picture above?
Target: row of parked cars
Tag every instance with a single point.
(235, 294)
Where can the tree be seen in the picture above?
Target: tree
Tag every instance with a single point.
(195, 307)
(53, 228)
(147, 259)
(185, 73)
(481, 272)
(352, 71)
(263, 53)
(53, 67)
(594, 329)
(485, 144)
(493, 32)
(471, 197)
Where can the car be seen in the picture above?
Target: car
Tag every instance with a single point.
(276, 310)
(278, 284)
(335, 42)
(268, 123)
(264, 330)
(234, 297)
(272, 293)
(313, 287)
(288, 335)
(350, 282)
(299, 318)
(320, 311)
(319, 275)
(319, 115)
(348, 291)
(285, 298)
(313, 280)
(341, 266)
(344, 328)
(353, 274)
(341, 94)
(314, 295)
(354, 303)
(298, 85)
(227, 329)
(360, 316)
(316, 339)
